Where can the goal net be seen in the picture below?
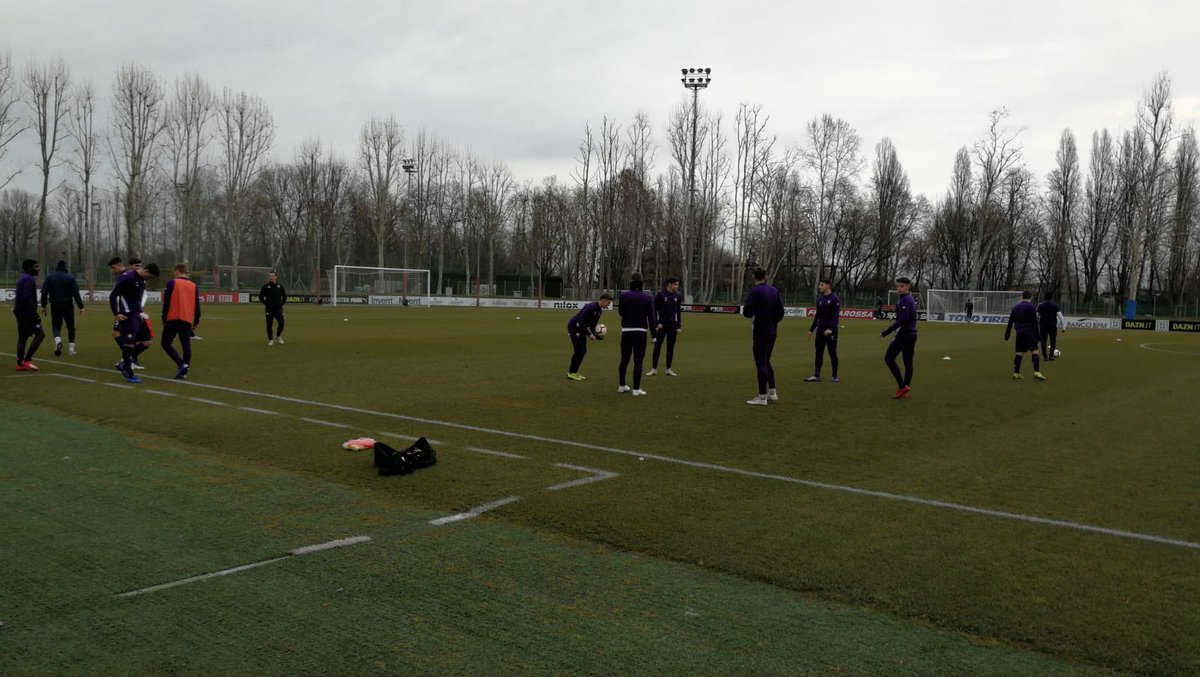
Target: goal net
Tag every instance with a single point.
(228, 277)
(953, 302)
(379, 286)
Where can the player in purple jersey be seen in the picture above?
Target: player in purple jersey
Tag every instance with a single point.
(1050, 318)
(764, 306)
(905, 342)
(636, 309)
(125, 301)
(1024, 317)
(582, 327)
(825, 323)
(668, 309)
(25, 309)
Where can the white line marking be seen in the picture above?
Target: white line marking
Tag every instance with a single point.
(252, 410)
(296, 552)
(201, 400)
(1146, 346)
(159, 392)
(1077, 526)
(474, 512)
(75, 378)
(597, 475)
(119, 385)
(493, 452)
(318, 421)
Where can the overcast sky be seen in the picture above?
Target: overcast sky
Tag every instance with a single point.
(517, 80)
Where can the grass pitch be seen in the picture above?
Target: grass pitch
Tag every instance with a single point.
(926, 509)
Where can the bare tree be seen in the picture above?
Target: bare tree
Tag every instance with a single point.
(380, 147)
(49, 89)
(995, 155)
(1155, 125)
(138, 117)
(832, 155)
(11, 124)
(893, 207)
(1185, 214)
(188, 134)
(1091, 235)
(246, 133)
(753, 155)
(1062, 202)
(81, 126)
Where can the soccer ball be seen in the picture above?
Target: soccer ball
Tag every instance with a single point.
(1057, 353)
(601, 332)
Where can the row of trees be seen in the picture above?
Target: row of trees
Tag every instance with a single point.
(188, 173)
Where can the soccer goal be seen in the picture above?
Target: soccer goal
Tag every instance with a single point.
(380, 286)
(953, 302)
(230, 277)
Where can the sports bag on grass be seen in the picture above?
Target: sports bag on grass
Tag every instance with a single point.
(390, 461)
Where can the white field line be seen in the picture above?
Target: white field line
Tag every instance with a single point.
(159, 392)
(1148, 346)
(318, 421)
(493, 452)
(1001, 514)
(296, 552)
(201, 400)
(597, 475)
(252, 410)
(474, 512)
(119, 385)
(74, 378)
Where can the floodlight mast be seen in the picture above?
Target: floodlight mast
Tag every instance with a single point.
(694, 79)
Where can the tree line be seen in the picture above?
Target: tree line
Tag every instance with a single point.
(188, 172)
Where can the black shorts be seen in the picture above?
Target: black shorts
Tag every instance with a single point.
(1026, 342)
(28, 325)
(129, 329)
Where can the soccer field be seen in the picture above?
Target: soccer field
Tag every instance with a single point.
(984, 526)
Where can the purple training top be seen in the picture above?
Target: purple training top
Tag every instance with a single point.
(906, 317)
(126, 296)
(25, 305)
(668, 308)
(764, 306)
(585, 321)
(1024, 317)
(829, 313)
(636, 309)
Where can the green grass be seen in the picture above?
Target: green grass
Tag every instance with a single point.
(1108, 441)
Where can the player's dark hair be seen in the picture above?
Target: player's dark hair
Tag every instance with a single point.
(672, 280)
(1026, 294)
(635, 282)
(904, 280)
(827, 281)
(27, 265)
(116, 260)
(152, 268)
(606, 297)
(1047, 297)
(759, 273)
(181, 268)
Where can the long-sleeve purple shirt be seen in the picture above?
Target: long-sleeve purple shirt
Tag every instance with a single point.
(636, 309)
(829, 313)
(1049, 312)
(906, 317)
(764, 306)
(668, 308)
(585, 321)
(1024, 317)
(25, 305)
(126, 296)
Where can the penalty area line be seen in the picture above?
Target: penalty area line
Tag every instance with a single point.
(295, 552)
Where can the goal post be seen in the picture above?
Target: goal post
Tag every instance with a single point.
(951, 302)
(380, 286)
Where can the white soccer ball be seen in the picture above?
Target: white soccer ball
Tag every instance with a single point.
(601, 331)
(1057, 353)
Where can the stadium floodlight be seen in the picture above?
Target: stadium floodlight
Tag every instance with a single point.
(694, 79)
(380, 286)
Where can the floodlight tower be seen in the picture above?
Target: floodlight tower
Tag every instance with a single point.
(410, 168)
(694, 79)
